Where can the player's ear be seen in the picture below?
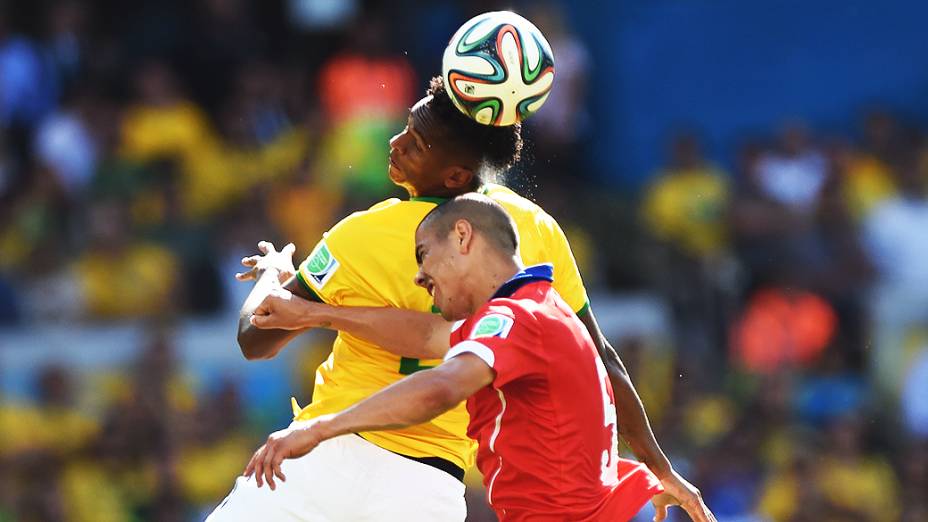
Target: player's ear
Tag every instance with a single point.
(458, 178)
(463, 235)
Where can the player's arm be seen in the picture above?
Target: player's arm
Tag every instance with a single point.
(267, 270)
(413, 400)
(633, 422)
(635, 428)
(406, 333)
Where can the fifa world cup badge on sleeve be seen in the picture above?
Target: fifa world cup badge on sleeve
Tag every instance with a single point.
(321, 265)
(492, 325)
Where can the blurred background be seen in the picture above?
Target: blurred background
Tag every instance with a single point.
(744, 184)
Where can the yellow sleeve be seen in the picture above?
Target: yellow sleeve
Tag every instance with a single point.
(567, 280)
(324, 273)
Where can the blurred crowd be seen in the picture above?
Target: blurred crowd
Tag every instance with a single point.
(798, 299)
(145, 148)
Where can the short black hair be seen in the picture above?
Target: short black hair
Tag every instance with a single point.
(495, 148)
(487, 217)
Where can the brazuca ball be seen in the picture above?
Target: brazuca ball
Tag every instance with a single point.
(498, 68)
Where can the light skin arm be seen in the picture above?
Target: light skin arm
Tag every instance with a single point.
(424, 335)
(406, 333)
(413, 400)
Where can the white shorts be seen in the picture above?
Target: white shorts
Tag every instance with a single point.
(348, 479)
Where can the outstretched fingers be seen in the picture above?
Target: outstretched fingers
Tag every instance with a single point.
(266, 247)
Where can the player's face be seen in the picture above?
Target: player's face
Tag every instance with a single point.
(440, 273)
(417, 162)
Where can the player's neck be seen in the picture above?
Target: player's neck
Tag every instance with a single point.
(496, 271)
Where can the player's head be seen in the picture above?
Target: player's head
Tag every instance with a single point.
(460, 245)
(442, 152)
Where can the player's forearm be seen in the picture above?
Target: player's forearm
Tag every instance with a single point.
(413, 400)
(254, 342)
(634, 426)
(406, 333)
(257, 343)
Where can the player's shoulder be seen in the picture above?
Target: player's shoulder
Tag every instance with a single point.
(510, 198)
(498, 317)
(518, 206)
(522, 309)
(389, 213)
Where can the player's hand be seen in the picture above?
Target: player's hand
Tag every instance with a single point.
(679, 492)
(290, 443)
(281, 261)
(281, 310)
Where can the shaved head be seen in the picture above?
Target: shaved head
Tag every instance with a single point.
(465, 248)
(486, 216)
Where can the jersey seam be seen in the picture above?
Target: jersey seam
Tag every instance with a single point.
(312, 293)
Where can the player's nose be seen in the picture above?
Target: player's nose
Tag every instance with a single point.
(421, 280)
(397, 140)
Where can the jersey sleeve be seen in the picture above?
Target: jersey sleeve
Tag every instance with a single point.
(567, 280)
(328, 272)
(505, 341)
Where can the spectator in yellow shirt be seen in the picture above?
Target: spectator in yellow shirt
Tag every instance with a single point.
(686, 204)
(121, 277)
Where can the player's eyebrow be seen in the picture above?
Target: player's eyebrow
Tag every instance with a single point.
(415, 134)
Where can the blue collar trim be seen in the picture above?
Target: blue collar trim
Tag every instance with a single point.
(531, 274)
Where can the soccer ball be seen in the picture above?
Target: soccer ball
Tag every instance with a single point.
(498, 68)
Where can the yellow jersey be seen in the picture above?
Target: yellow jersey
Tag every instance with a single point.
(368, 259)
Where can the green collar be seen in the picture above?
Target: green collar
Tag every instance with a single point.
(429, 199)
(439, 200)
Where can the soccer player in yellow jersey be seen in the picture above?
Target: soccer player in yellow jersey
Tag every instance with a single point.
(364, 267)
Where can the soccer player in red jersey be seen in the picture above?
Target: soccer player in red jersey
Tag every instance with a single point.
(540, 401)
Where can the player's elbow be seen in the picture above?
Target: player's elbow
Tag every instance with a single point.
(252, 347)
(249, 351)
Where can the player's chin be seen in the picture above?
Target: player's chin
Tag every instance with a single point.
(396, 175)
(448, 310)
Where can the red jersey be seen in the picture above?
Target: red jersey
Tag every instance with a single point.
(546, 426)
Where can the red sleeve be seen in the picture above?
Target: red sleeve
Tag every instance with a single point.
(506, 339)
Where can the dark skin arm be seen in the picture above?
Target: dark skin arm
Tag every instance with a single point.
(634, 426)
(635, 430)
(259, 343)
(267, 270)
